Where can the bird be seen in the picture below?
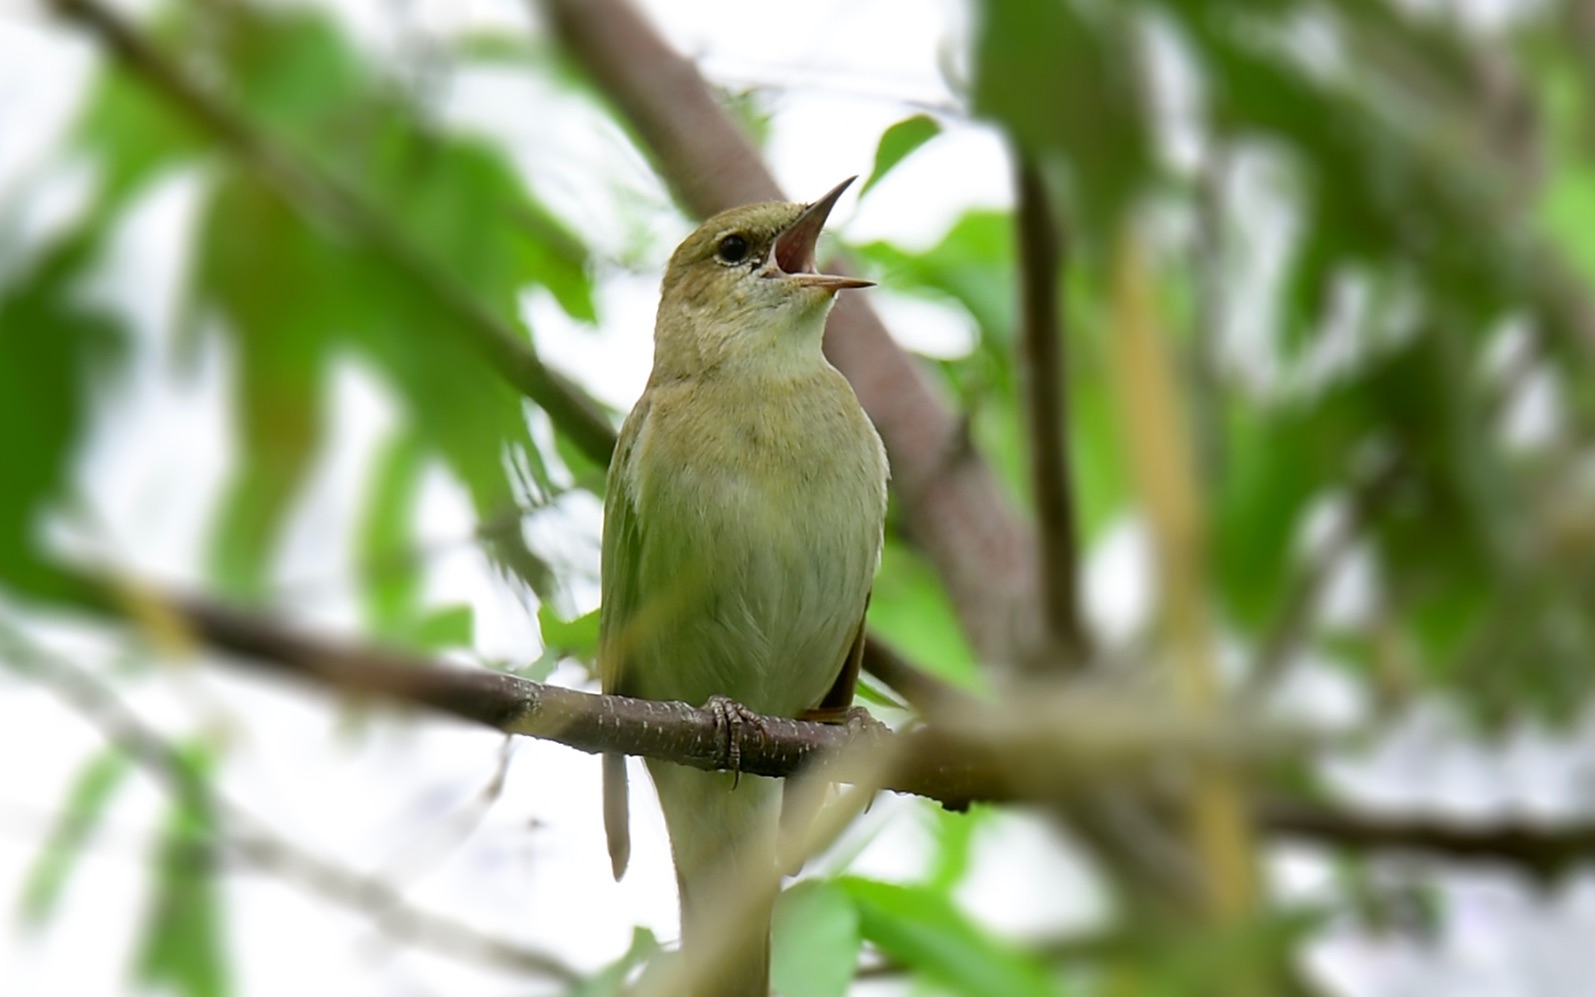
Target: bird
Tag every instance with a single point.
(744, 516)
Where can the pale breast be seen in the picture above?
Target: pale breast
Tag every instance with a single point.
(760, 527)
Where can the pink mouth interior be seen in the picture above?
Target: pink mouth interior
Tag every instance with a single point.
(794, 252)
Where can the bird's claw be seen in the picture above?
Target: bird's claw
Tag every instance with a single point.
(730, 720)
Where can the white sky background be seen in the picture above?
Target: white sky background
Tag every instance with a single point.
(378, 795)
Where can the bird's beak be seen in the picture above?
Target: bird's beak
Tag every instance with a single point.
(793, 252)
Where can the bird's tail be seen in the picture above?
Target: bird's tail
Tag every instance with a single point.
(723, 837)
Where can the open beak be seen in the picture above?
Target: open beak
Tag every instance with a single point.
(793, 252)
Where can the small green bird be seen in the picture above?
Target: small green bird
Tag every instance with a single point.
(742, 531)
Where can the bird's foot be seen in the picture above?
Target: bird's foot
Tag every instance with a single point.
(859, 721)
(731, 720)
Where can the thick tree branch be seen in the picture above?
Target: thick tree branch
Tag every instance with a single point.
(1043, 376)
(954, 506)
(322, 200)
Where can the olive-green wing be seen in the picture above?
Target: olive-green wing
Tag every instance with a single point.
(622, 552)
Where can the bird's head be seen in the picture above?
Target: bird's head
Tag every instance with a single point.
(743, 288)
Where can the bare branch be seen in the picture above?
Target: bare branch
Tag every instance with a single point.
(1043, 376)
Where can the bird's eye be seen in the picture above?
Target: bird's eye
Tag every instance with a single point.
(732, 249)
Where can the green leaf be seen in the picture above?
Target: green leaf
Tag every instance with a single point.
(386, 559)
(1058, 78)
(254, 252)
(921, 928)
(910, 609)
(611, 980)
(292, 71)
(816, 941)
(897, 143)
(450, 626)
(87, 801)
(1567, 212)
(973, 265)
(50, 344)
(182, 949)
(576, 638)
(132, 134)
(955, 845)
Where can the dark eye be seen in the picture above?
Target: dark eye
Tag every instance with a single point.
(732, 249)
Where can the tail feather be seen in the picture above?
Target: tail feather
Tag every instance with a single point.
(724, 843)
(617, 814)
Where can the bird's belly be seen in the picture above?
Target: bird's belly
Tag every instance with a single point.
(762, 590)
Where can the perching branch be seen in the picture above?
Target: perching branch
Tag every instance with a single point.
(1043, 378)
(323, 200)
(954, 508)
(1047, 746)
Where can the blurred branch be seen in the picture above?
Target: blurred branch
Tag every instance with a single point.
(1044, 381)
(955, 509)
(1545, 852)
(246, 837)
(323, 200)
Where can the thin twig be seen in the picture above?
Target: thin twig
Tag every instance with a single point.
(1044, 378)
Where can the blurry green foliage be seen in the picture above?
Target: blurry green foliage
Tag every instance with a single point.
(815, 941)
(910, 609)
(51, 346)
(921, 928)
(611, 980)
(86, 802)
(182, 950)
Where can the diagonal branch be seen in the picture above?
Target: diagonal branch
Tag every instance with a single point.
(1043, 377)
(322, 199)
(955, 509)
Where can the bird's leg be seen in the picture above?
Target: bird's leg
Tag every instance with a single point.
(730, 717)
